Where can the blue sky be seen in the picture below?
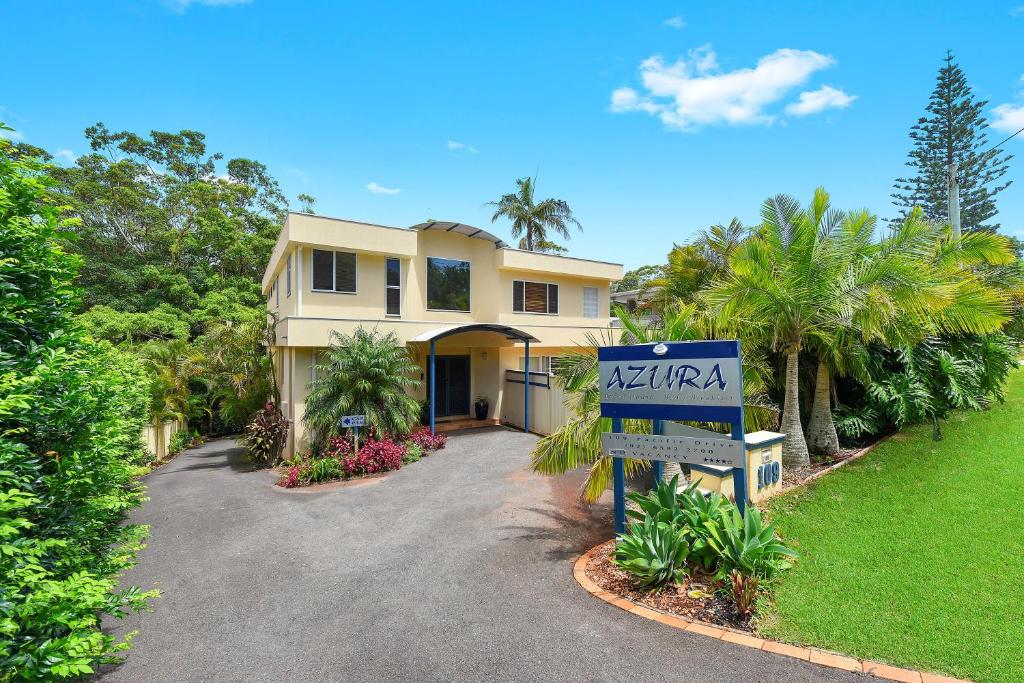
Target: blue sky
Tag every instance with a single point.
(653, 121)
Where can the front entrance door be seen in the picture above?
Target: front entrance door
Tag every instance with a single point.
(452, 392)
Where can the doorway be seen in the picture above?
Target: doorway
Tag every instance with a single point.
(452, 391)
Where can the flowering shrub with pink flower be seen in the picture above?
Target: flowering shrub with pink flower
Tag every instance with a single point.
(427, 441)
(374, 456)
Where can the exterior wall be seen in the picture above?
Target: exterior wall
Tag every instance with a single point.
(158, 439)
(306, 319)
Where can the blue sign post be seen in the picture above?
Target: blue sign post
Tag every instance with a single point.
(698, 381)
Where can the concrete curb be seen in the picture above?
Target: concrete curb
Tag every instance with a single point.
(807, 654)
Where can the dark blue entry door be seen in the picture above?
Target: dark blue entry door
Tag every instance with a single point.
(452, 392)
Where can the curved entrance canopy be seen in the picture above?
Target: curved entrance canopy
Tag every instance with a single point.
(461, 229)
(442, 332)
(510, 333)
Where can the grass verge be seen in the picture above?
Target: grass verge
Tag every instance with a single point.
(914, 555)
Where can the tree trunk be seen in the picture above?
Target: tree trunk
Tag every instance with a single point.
(794, 448)
(821, 430)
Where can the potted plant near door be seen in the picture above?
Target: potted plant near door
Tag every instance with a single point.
(481, 407)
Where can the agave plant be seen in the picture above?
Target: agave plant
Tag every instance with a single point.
(662, 504)
(701, 514)
(748, 545)
(687, 509)
(654, 552)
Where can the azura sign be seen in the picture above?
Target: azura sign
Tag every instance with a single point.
(701, 379)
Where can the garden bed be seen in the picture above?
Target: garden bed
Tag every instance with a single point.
(339, 462)
(696, 599)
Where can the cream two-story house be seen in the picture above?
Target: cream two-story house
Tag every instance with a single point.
(464, 302)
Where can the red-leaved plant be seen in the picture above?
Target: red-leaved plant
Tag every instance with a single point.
(338, 447)
(374, 456)
(292, 479)
(427, 441)
(265, 435)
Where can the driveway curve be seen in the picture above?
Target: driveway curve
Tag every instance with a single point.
(457, 567)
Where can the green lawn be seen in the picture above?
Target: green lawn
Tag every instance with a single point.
(914, 555)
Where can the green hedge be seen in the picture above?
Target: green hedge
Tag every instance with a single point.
(71, 418)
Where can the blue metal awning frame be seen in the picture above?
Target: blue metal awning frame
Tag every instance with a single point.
(509, 332)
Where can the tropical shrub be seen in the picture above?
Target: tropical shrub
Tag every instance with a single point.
(324, 469)
(427, 441)
(926, 382)
(266, 434)
(374, 456)
(747, 545)
(654, 552)
(179, 441)
(413, 452)
(364, 374)
(71, 418)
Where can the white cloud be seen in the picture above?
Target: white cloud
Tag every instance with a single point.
(181, 6)
(1009, 118)
(380, 189)
(65, 154)
(454, 146)
(1017, 11)
(675, 22)
(692, 92)
(814, 101)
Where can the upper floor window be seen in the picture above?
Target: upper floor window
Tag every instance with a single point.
(277, 291)
(534, 297)
(590, 308)
(334, 271)
(447, 284)
(288, 277)
(393, 287)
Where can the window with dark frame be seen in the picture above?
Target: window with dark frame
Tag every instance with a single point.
(334, 271)
(393, 287)
(288, 277)
(447, 284)
(534, 297)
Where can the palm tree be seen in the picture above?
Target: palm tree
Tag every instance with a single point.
(363, 374)
(239, 368)
(533, 220)
(578, 442)
(810, 279)
(693, 267)
(173, 367)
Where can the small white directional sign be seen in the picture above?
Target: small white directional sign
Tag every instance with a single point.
(353, 421)
(691, 450)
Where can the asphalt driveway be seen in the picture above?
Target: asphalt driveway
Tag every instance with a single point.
(458, 567)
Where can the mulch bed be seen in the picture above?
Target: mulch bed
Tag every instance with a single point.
(695, 599)
(794, 478)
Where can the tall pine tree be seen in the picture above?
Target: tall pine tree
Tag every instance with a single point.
(953, 130)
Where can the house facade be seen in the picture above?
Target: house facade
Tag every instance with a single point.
(463, 301)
